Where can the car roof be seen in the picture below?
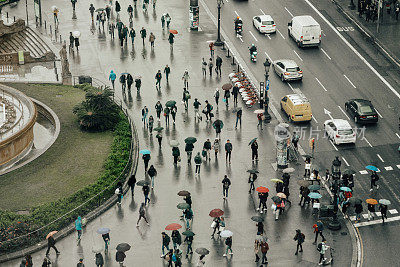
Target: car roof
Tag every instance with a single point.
(361, 101)
(305, 20)
(340, 123)
(298, 99)
(288, 63)
(265, 17)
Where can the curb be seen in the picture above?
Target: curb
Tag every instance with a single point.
(93, 214)
(383, 49)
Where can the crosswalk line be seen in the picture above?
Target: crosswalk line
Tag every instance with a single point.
(391, 219)
(393, 211)
(378, 213)
(365, 216)
(363, 172)
(389, 168)
(398, 166)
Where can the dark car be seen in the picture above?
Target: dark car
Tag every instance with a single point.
(361, 110)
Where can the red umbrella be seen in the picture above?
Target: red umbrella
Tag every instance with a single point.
(262, 189)
(173, 226)
(173, 31)
(226, 86)
(216, 213)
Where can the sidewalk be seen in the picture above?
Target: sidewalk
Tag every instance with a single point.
(387, 39)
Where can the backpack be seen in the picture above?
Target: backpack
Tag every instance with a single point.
(211, 107)
(319, 247)
(187, 95)
(210, 65)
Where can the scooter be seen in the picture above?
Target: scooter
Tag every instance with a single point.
(239, 30)
(253, 56)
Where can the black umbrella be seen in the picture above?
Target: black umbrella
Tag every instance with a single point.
(252, 171)
(236, 109)
(142, 183)
(349, 172)
(188, 233)
(123, 247)
(158, 129)
(190, 140)
(202, 251)
(183, 193)
(257, 218)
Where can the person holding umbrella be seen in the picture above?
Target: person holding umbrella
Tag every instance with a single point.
(188, 215)
(176, 239)
(77, 43)
(92, 9)
(51, 243)
(122, 80)
(374, 179)
(174, 110)
(254, 150)
(120, 255)
(146, 158)
(371, 208)
(215, 225)
(99, 260)
(152, 172)
(228, 243)
(218, 125)
(159, 139)
(227, 95)
(189, 241)
(171, 40)
(165, 243)
(176, 153)
(112, 78)
(106, 239)
(383, 208)
(263, 196)
(299, 237)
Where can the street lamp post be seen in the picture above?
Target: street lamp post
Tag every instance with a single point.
(73, 2)
(218, 42)
(334, 224)
(267, 66)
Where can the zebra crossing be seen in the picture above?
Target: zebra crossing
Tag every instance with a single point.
(376, 218)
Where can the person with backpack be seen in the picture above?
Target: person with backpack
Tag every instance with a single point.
(197, 161)
(159, 108)
(196, 106)
(216, 96)
(176, 239)
(142, 214)
(174, 110)
(99, 260)
(152, 172)
(120, 257)
(252, 179)
(228, 243)
(374, 179)
(299, 237)
(165, 243)
(304, 191)
(322, 248)
(210, 66)
(51, 243)
(371, 211)
(176, 258)
(176, 154)
(185, 98)
(158, 80)
(188, 215)
(189, 242)
(151, 124)
(204, 68)
(295, 140)
(264, 249)
(318, 228)
(122, 80)
(207, 148)
(226, 183)
(132, 34)
(119, 192)
(171, 40)
(211, 46)
(215, 225)
(227, 95)
(146, 191)
(138, 84)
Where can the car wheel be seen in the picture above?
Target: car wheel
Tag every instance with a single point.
(282, 108)
(288, 32)
(282, 78)
(355, 119)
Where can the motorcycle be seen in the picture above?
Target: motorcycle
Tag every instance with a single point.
(239, 29)
(253, 56)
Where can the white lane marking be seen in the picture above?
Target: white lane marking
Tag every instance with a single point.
(280, 34)
(240, 37)
(289, 12)
(314, 119)
(344, 112)
(321, 84)
(379, 156)
(391, 219)
(349, 81)
(268, 36)
(253, 36)
(367, 141)
(323, 33)
(363, 172)
(393, 211)
(389, 168)
(290, 86)
(398, 166)
(330, 141)
(379, 114)
(326, 54)
(227, 1)
(272, 60)
(398, 135)
(262, 11)
(237, 15)
(345, 161)
(297, 55)
(365, 216)
(354, 50)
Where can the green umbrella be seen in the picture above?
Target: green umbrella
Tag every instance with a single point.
(183, 206)
(218, 123)
(314, 187)
(252, 171)
(190, 140)
(276, 199)
(158, 129)
(142, 183)
(252, 141)
(349, 172)
(170, 103)
(174, 143)
(257, 218)
(188, 233)
(158, 135)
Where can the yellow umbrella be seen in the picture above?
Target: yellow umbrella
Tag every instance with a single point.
(372, 201)
(276, 180)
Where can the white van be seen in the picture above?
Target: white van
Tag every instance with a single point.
(305, 31)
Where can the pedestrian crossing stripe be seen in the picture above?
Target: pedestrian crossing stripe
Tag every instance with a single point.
(363, 172)
(365, 216)
(398, 166)
(393, 211)
(389, 168)
(392, 219)
(377, 213)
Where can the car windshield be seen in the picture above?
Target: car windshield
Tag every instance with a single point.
(366, 109)
(267, 22)
(345, 132)
(293, 69)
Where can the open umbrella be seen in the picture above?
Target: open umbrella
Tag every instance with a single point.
(97, 249)
(227, 87)
(183, 193)
(259, 111)
(303, 183)
(124, 73)
(372, 168)
(218, 123)
(51, 234)
(281, 195)
(288, 170)
(170, 103)
(349, 172)
(137, 77)
(142, 183)
(262, 189)
(314, 187)
(202, 251)
(276, 180)
(145, 152)
(103, 230)
(314, 195)
(384, 201)
(99, 9)
(173, 31)
(190, 140)
(123, 247)
(183, 206)
(188, 233)
(53, 8)
(76, 34)
(252, 171)
(226, 233)
(236, 109)
(216, 213)
(158, 129)
(174, 143)
(257, 218)
(355, 201)
(345, 189)
(371, 201)
(252, 141)
(276, 199)
(173, 226)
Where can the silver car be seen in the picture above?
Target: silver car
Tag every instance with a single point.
(287, 69)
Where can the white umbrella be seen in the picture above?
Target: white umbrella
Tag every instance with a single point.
(76, 34)
(53, 8)
(226, 233)
(259, 111)
(288, 170)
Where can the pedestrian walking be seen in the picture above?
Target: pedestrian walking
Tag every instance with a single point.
(119, 25)
(397, 11)
(143, 34)
(260, 120)
(299, 237)
(185, 98)
(71, 42)
(168, 19)
(252, 179)
(228, 243)
(295, 140)
(145, 112)
(145, 4)
(235, 93)
(318, 228)
(254, 151)
(167, 71)
(374, 179)
(201, 261)
(132, 34)
(55, 16)
(197, 161)
(159, 108)
(176, 154)
(218, 65)
(108, 12)
(130, 12)
(168, 257)
(189, 150)
(226, 183)
(216, 146)
(146, 191)
(264, 249)
(152, 172)
(103, 19)
(227, 95)
(120, 257)
(307, 167)
(163, 21)
(238, 118)
(262, 206)
(207, 148)
(218, 128)
(159, 139)
(176, 258)
(189, 242)
(158, 80)
(188, 200)
(111, 29)
(304, 191)
(228, 151)
(124, 35)
(185, 79)
(106, 239)
(77, 44)
(215, 225)
(211, 46)
(216, 96)
(171, 40)
(174, 110)
(122, 80)
(138, 84)
(112, 78)
(78, 227)
(188, 215)
(322, 248)
(92, 9)
(129, 82)
(358, 209)
(80, 263)
(142, 214)
(51, 243)
(204, 67)
(176, 239)
(117, 8)
(165, 243)
(260, 228)
(371, 211)
(196, 106)
(46, 262)
(210, 66)
(152, 38)
(28, 260)
(207, 111)
(99, 260)
(166, 114)
(119, 192)
(132, 183)
(383, 209)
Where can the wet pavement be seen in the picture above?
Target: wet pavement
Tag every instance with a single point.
(98, 55)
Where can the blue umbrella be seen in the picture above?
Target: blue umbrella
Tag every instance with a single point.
(103, 230)
(144, 151)
(345, 189)
(314, 195)
(372, 168)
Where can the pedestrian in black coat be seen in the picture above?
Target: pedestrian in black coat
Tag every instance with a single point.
(132, 183)
(226, 183)
(228, 150)
(146, 158)
(383, 209)
(129, 81)
(218, 64)
(51, 243)
(254, 151)
(299, 237)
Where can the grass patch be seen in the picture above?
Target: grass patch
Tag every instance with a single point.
(75, 160)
